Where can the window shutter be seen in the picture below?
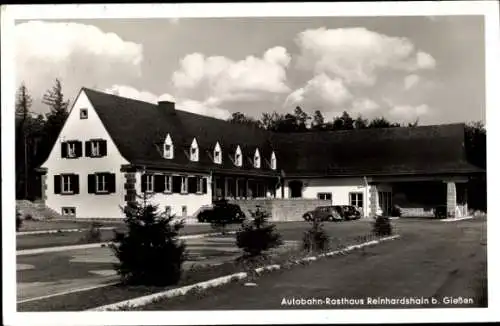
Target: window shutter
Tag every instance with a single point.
(78, 149)
(143, 182)
(91, 183)
(159, 183)
(75, 183)
(176, 184)
(111, 181)
(88, 151)
(204, 185)
(57, 184)
(191, 185)
(64, 150)
(103, 148)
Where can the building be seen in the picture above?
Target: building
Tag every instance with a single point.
(112, 148)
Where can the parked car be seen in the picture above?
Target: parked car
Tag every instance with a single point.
(349, 212)
(222, 210)
(323, 213)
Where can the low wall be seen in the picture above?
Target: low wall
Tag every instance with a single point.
(281, 209)
(417, 212)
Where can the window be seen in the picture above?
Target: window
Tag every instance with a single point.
(101, 183)
(325, 196)
(96, 148)
(168, 210)
(217, 154)
(237, 157)
(184, 185)
(168, 183)
(68, 211)
(356, 199)
(66, 184)
(194, 151)
(84, 113)
(273, 161)
(148, 183)
(184, 211)
(199, 184)
(71, 149)
(256, 159)
(168, 148)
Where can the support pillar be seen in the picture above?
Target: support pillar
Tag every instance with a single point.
(43, 179)
(372, 192)
(451, 198)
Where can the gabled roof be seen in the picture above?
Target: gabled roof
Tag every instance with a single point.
(385, 151)
(139, 130)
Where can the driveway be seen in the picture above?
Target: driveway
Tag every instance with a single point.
(432, 259)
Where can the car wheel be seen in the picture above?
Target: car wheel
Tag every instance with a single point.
(307, 217)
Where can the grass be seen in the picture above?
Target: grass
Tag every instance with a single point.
(197, 273)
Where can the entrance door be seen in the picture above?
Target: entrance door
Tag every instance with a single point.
(385, 202)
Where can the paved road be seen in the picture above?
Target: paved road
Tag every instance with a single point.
(432, 259)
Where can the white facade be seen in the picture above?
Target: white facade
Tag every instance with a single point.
(181, 205)
(340, 190)
(86, 205)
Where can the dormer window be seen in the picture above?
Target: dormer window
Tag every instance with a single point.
(273, 161)
(238, 160)
(217, 154)
(193, 153)
(256, 159)
(84, 114)
(168, 148)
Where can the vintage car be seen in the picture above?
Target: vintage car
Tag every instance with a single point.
(221, 209)
(333, 213)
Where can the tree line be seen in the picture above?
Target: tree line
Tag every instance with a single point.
(36, 134)
(299, 120)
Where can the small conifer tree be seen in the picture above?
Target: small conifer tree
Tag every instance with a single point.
(315, 239)
(150, 252)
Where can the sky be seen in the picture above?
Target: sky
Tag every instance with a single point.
(430, 68)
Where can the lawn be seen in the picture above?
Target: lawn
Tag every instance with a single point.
(432, 259)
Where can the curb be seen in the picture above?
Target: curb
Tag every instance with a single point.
(457, 219)
(145, 300)
(60, 231)
(36, 251)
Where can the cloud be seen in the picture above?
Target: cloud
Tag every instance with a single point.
(78, 54)
(364, 106)
(411, 81)
(409, 112)
(321, 92)
(357, 55)
(200, 77)
(208, 108)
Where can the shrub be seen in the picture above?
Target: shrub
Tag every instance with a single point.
(28, 217)
(315, 239)
(93, 234)
(258, 235)
(19, 221)
(149, 252)
(382, 226)
(396, 211)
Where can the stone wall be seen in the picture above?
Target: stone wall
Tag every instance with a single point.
(290, 209)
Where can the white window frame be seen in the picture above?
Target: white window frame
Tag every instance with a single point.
(149, 183)
(199, 185)
(94, 148)
(324, 194)
(194, 151)
(184, 184)
(71, 148)
(256, 159)
(356, 200)
(101, 183)
(273, 161)
(65, 190)
(168, 184)
(168, 154)
(238, 157)
(217, 154)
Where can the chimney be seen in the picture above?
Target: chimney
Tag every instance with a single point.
(167, 107)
